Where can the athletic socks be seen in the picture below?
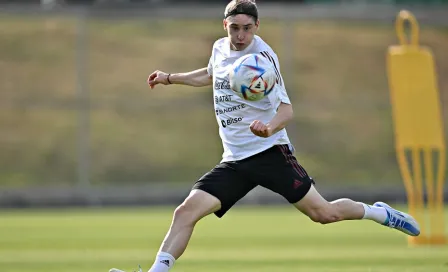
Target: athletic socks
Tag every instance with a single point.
(377, 214)
(163, 263)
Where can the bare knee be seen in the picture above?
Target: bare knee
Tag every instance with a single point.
(318, 209)
(325, 215)
(196, 206)
(186, 214)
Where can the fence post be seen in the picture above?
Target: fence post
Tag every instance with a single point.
(83, 102)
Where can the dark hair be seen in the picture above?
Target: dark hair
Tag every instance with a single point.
(248, 7)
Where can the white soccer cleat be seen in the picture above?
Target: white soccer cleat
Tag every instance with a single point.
(118, 270)
(399, 220)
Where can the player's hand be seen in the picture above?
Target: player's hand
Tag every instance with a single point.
(260, 129)
(157, 77)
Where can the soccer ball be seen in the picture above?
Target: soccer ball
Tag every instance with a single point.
(252, 77)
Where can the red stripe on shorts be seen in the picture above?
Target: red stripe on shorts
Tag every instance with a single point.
(297, 167)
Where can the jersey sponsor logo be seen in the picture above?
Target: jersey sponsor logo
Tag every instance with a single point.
(230, 109)
(223, 98)
(231, 121)
(222, 84)
(271, 59)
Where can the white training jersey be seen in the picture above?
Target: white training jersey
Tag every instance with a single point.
(233, 113)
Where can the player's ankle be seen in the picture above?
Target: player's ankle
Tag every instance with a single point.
(163, 263)
(377, 214)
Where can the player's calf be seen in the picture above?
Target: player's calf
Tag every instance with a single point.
(320, 210)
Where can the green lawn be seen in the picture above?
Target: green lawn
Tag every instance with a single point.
(247, 239)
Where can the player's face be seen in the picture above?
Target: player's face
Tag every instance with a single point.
(241, 29)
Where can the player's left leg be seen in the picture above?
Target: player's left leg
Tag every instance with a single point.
(285, 176)
(320, 210)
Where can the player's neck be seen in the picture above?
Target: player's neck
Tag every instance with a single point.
(233, 48)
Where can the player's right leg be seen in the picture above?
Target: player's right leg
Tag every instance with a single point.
(197, 205)
(215, 192)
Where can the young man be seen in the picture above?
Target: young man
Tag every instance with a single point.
(257, 150)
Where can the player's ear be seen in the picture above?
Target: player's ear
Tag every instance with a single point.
(224, 24)
(257, 23)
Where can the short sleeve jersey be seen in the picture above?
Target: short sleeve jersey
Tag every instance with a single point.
(234, 114)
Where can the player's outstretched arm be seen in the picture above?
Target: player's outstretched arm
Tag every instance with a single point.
(196, 78)
(279, 122)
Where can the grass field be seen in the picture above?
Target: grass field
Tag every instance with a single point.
(247, 239)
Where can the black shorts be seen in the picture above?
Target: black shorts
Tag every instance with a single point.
(275, 169)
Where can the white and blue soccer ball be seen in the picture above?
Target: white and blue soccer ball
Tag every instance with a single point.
(252, 77)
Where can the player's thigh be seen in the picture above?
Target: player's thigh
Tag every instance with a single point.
(278, 170)
(227, 183)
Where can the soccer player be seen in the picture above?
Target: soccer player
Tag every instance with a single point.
(257, 150)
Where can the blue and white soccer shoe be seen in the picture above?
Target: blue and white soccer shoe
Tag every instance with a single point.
(399, 220)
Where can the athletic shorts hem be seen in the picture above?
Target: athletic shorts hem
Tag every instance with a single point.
(224, 209)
